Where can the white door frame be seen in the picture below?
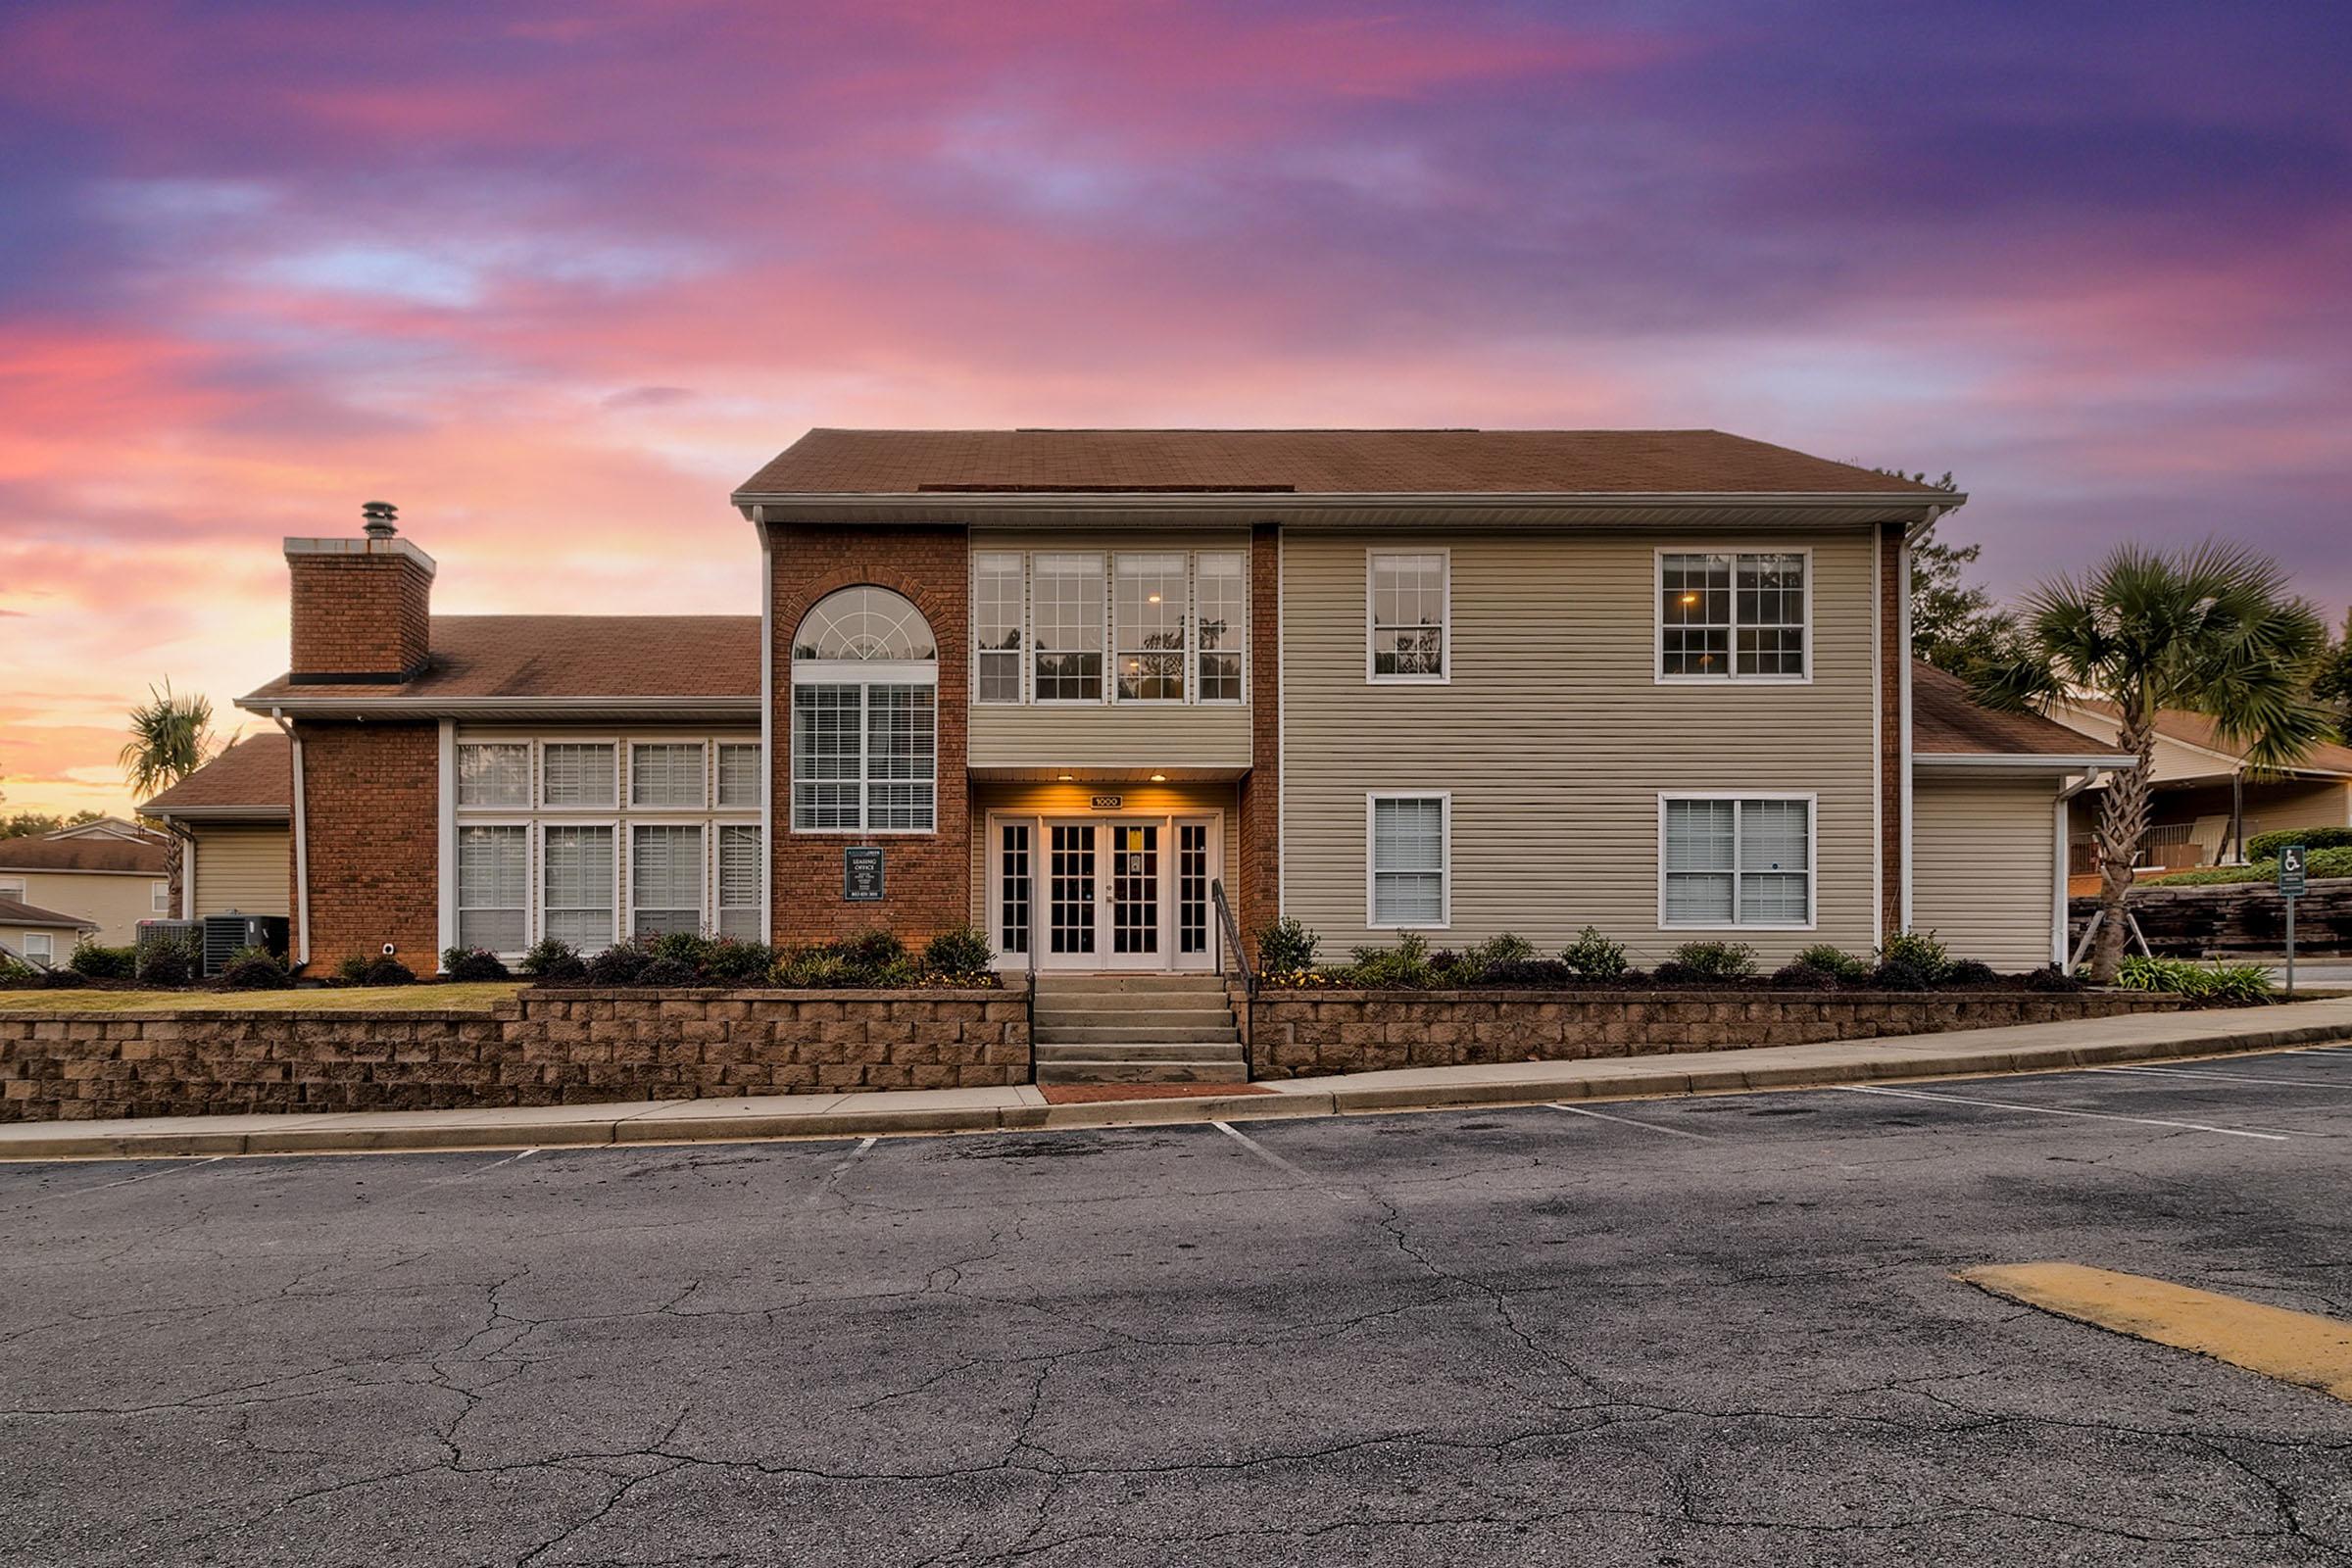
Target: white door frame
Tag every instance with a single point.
(1102, 959)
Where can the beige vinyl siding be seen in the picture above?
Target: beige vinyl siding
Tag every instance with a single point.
(1014, 799)
(1983, 860)
(116, 902)
(245, 869)
(1142, 736)
(1554, 738)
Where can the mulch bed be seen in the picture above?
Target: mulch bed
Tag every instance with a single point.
(1095, 1094)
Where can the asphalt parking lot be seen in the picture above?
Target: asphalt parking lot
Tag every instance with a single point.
(1668, 1333)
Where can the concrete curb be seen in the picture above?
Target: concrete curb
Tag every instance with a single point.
(668, 1123)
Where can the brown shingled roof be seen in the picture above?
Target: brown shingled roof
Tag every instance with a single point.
(1309, 462)
(1945, 721)
(257, 771)
(33, 853)
(16, 912)
(572, 656)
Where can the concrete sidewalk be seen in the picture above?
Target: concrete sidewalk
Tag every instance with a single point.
(2030, 1047)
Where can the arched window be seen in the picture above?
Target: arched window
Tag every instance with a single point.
(864, 715)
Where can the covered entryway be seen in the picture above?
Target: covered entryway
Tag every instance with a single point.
(1116, 891)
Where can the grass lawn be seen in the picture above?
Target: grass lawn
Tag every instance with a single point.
(477, 997)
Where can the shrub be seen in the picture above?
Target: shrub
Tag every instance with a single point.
(2199, 982)
(2266, 845)
(1918, 949)
(1900, 974)
(690, 949)
(549, 955)
(1533, 974)
(1714, 960)
(254, 969)
(1405, 967)
(1493, 953)
(1674, 972)
(662, 972)
(1595, 956)
(386, 970)
(472, 964)
(1286, 945)
(620, 964)
(2049, 977)
(15, 974)
(1803, 976)
(963, 951)
(733, 963)
(167, 960)
(1969, 972)
(67, 978)
(808, 969)
(105, 964)
(1836, 962)
(2323, 862)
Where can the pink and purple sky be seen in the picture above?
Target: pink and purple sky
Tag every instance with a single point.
(554, 277)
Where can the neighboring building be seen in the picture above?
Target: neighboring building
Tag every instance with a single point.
(1065, 684)
(2208, 799)
(232, 817)
(28, 931)
(105, 827)
(102, 882)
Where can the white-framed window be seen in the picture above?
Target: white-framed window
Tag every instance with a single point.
(576, 773)
(666, 773)
(1221, 622)
(159, 898)
(580, 883)
(998, 616)
(864, 719)
(494, 773)
(742, 874)
(1148, 600)
(40, 945)
(1409, 859)
(1065, 609)
(1735, 859)
(665, 878)
(12, 887)
(738, 774)
(1734, 615)
(494, 886)
(1409, 615)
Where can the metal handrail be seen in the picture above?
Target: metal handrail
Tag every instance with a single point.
(1230, 931)
(1030, 953)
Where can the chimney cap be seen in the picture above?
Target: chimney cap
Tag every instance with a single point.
(379, 518)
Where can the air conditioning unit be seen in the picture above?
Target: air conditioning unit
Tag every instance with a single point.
(225, 934)
(150, 932)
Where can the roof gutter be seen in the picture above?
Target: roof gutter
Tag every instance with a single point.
(681, 709)
(1260, 501)
(2037, 761)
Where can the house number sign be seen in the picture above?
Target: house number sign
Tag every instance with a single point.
(1107, 803)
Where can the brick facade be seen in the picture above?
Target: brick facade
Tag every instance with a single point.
(360, 615)
(927, 876)
(1305, 1034)
(542, 1048)
(371, 808)
(1254, 878)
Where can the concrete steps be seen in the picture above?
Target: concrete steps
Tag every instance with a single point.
(1137, 1029)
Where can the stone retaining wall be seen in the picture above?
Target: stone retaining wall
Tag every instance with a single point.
(1305, 1034)
(541, 1049)
(2234, 919)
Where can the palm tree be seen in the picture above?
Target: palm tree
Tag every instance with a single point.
(2211, 629)
(171, 737)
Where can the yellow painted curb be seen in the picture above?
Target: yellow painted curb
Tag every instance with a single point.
(2299, 1348)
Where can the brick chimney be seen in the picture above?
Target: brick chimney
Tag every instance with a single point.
(362, 608)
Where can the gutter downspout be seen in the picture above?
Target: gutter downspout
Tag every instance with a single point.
(301, 847)
(768, 715)
(2059, 931)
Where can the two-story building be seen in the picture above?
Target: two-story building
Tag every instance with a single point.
(1066, 684)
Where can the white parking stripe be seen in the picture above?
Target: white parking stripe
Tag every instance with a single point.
(1628, 1121)
(129, 1181)
(1261, 1150)
(824, 1188)
(2052, 1110)
(2218, 1077)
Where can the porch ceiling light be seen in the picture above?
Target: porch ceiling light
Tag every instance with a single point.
(1159, 778)
(1066, 777)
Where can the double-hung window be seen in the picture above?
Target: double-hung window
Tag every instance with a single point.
(159, 898)
(1732, 616)
(41, 946)
(494, 885)
(1221, 623)
(1406, 613)
(578, 883)
(738, 774)
(1736, 860)
(1409, 857)
(665, 878)
(1065, 594)
(12, 887)
(997, 618)
(742, 872)
(666, 773)
(864, 715)
(1149, 599)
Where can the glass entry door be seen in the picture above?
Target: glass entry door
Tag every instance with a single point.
(1119, 893)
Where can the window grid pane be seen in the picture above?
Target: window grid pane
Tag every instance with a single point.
(666, 773)
(1066, 606)
(827, 756)
(738, 776)
(1222, 620)
(494, 774)
(1409, 615)
(997, 627)
(576, 774)
(1732, 614)
(742, 871)
(578, 864)
(1151, 606)
(1738, 862)
(493, 888)
(666, 875)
